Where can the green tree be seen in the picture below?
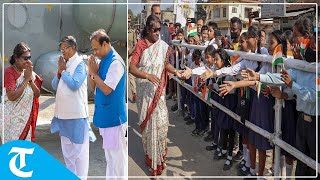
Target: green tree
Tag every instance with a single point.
(201, 12)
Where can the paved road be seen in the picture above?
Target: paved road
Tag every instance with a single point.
(51, 142)
(186, 154)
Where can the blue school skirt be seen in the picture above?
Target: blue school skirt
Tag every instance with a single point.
(262, 115)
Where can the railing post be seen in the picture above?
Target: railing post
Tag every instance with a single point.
(178, 85)
(277, 130)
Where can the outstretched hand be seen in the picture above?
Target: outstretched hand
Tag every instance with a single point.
(185, 74)
(248, 74)
(179, 74)
(226, 88)
(206, 75)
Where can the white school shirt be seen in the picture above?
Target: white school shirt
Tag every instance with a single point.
(237, 68)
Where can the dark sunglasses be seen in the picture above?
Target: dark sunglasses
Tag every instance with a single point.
(157, 29)
(26, 58)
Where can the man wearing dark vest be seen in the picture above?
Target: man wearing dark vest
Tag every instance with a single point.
(108, 80)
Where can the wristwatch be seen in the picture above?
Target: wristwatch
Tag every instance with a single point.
(92, 75)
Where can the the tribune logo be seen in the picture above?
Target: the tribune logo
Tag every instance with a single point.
(12, 164)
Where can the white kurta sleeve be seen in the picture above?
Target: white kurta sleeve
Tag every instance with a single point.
(114, 74)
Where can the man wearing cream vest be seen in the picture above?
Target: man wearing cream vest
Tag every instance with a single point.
(71, 108)
(108, 80)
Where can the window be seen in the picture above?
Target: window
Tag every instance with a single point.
(224, 12)
(217, 13)
(247, 11)
(234, 10)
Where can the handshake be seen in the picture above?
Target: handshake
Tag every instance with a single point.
(181, 74)
(184, 74)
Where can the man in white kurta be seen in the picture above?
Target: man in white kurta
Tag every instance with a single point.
(71, 108)
(108, 79)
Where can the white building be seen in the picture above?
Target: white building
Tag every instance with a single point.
(222, 13)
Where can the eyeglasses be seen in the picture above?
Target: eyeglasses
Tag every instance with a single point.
(26, 58)
(64, 48)
(156, 30)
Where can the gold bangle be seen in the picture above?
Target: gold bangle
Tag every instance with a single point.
(147, 76)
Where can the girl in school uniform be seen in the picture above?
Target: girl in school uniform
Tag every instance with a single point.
(198, 104)
(243, 109)
(189, 96)
(289, 112)
(224, 121)
(262, 113)
(215, 131)
(254, 44)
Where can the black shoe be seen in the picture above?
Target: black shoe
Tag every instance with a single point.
(217, 151)
(251, 176)
(186, 114)
(208, 138)
(241, 164)
(244, 171)
(220, 155)
(201, 133)
(211, 147)
(174, 107)
(227, 165)
(191, 121)
(239, 156)
(195, 132)
(187, 118)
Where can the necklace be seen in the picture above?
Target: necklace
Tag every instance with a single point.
(16, 69)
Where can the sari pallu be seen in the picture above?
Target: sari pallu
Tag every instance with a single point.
(151, 104)
(21, 115)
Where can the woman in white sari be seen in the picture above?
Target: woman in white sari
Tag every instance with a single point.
(21, 92)
(150, 64)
